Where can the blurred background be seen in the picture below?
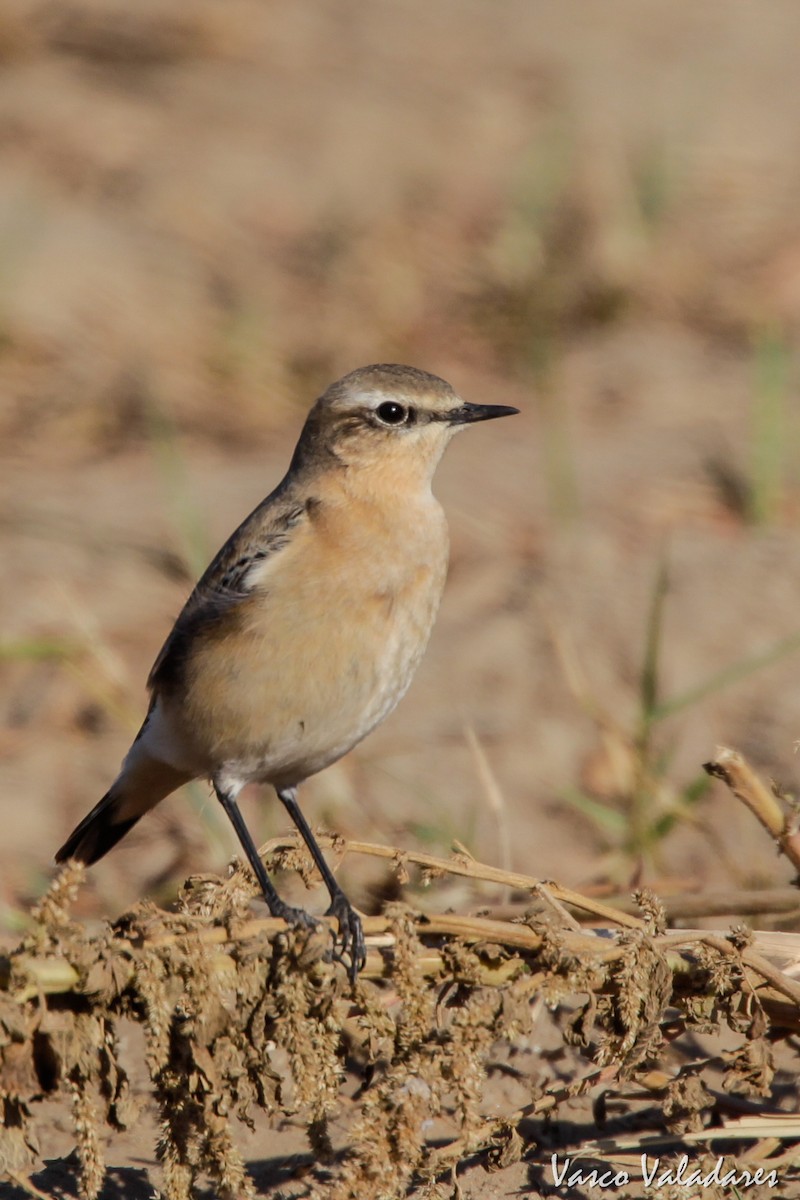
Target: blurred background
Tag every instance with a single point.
(208, 212)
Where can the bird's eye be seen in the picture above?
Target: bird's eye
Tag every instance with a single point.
(392, 413)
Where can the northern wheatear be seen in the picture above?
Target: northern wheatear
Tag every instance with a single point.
(305, 630)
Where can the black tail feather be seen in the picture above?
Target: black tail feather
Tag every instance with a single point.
(99, 830)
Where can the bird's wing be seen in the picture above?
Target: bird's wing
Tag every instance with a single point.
(227, 581)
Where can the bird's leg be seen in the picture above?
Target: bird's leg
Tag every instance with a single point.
(351, 935)
(279, 908)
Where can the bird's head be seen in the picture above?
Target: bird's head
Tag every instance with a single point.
(388, 419)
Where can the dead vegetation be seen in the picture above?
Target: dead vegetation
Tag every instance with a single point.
(239, 1015)
(207, 213)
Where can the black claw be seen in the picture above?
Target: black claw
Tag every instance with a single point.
(350, 939)
(296, 918)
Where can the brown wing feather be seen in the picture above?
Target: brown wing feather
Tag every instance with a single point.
(225, 582)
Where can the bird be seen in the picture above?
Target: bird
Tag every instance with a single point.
(305, 630)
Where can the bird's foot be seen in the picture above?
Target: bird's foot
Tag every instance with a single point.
(295, 918)
(350, 940)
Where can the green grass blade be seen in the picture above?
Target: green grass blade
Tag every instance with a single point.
(648, 685)
(41, 649)
(725, 677)
(771, 389)
(610, 820)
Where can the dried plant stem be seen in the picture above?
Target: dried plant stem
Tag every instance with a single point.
(736, 902)
(468, 868)
(494, 799)
(55, 975)
(772, 975)
(58, 976)
(733, 769)
(716, 904)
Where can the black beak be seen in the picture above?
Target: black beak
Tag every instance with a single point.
(467, 413)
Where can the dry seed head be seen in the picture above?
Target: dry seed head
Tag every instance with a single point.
(52, 911)
(85, 1123)
(652, 910)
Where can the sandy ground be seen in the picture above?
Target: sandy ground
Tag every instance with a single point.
(592, 213)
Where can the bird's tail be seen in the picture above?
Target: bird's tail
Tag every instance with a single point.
(141, 783)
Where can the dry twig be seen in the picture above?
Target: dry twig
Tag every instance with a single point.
(733, 769)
